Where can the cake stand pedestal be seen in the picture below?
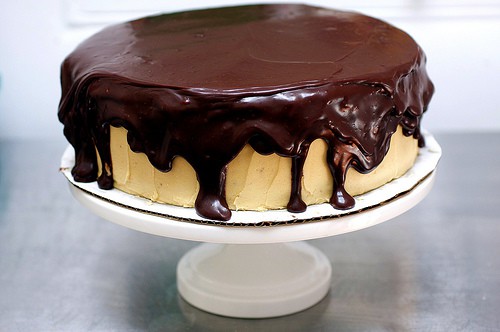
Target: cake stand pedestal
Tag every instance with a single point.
(254, 280)
(245, 269)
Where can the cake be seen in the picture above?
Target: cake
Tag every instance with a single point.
(252, 107)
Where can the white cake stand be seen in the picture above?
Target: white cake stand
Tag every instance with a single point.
(257, 265)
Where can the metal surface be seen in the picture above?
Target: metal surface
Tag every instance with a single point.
(435, 268)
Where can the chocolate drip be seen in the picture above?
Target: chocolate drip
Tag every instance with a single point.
(296, 204)
(203, 84)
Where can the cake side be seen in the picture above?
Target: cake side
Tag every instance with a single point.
(253, 181)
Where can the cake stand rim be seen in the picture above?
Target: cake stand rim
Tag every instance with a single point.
(160, 226)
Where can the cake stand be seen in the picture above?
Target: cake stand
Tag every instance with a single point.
(258, 264)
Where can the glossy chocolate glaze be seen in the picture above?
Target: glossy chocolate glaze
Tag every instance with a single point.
(202, 84)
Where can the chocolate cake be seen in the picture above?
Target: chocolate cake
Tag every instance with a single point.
(190, 94)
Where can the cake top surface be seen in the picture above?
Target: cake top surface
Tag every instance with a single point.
(249, 48)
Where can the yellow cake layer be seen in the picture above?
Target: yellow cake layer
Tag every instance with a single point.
(253, 181)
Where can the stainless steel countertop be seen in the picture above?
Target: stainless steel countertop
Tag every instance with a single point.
(435, 268)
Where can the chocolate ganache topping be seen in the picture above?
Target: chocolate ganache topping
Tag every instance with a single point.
(203, 84)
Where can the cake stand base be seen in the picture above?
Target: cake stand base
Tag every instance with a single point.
(254, 280)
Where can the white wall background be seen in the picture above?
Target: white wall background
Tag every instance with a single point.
(461, 39)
